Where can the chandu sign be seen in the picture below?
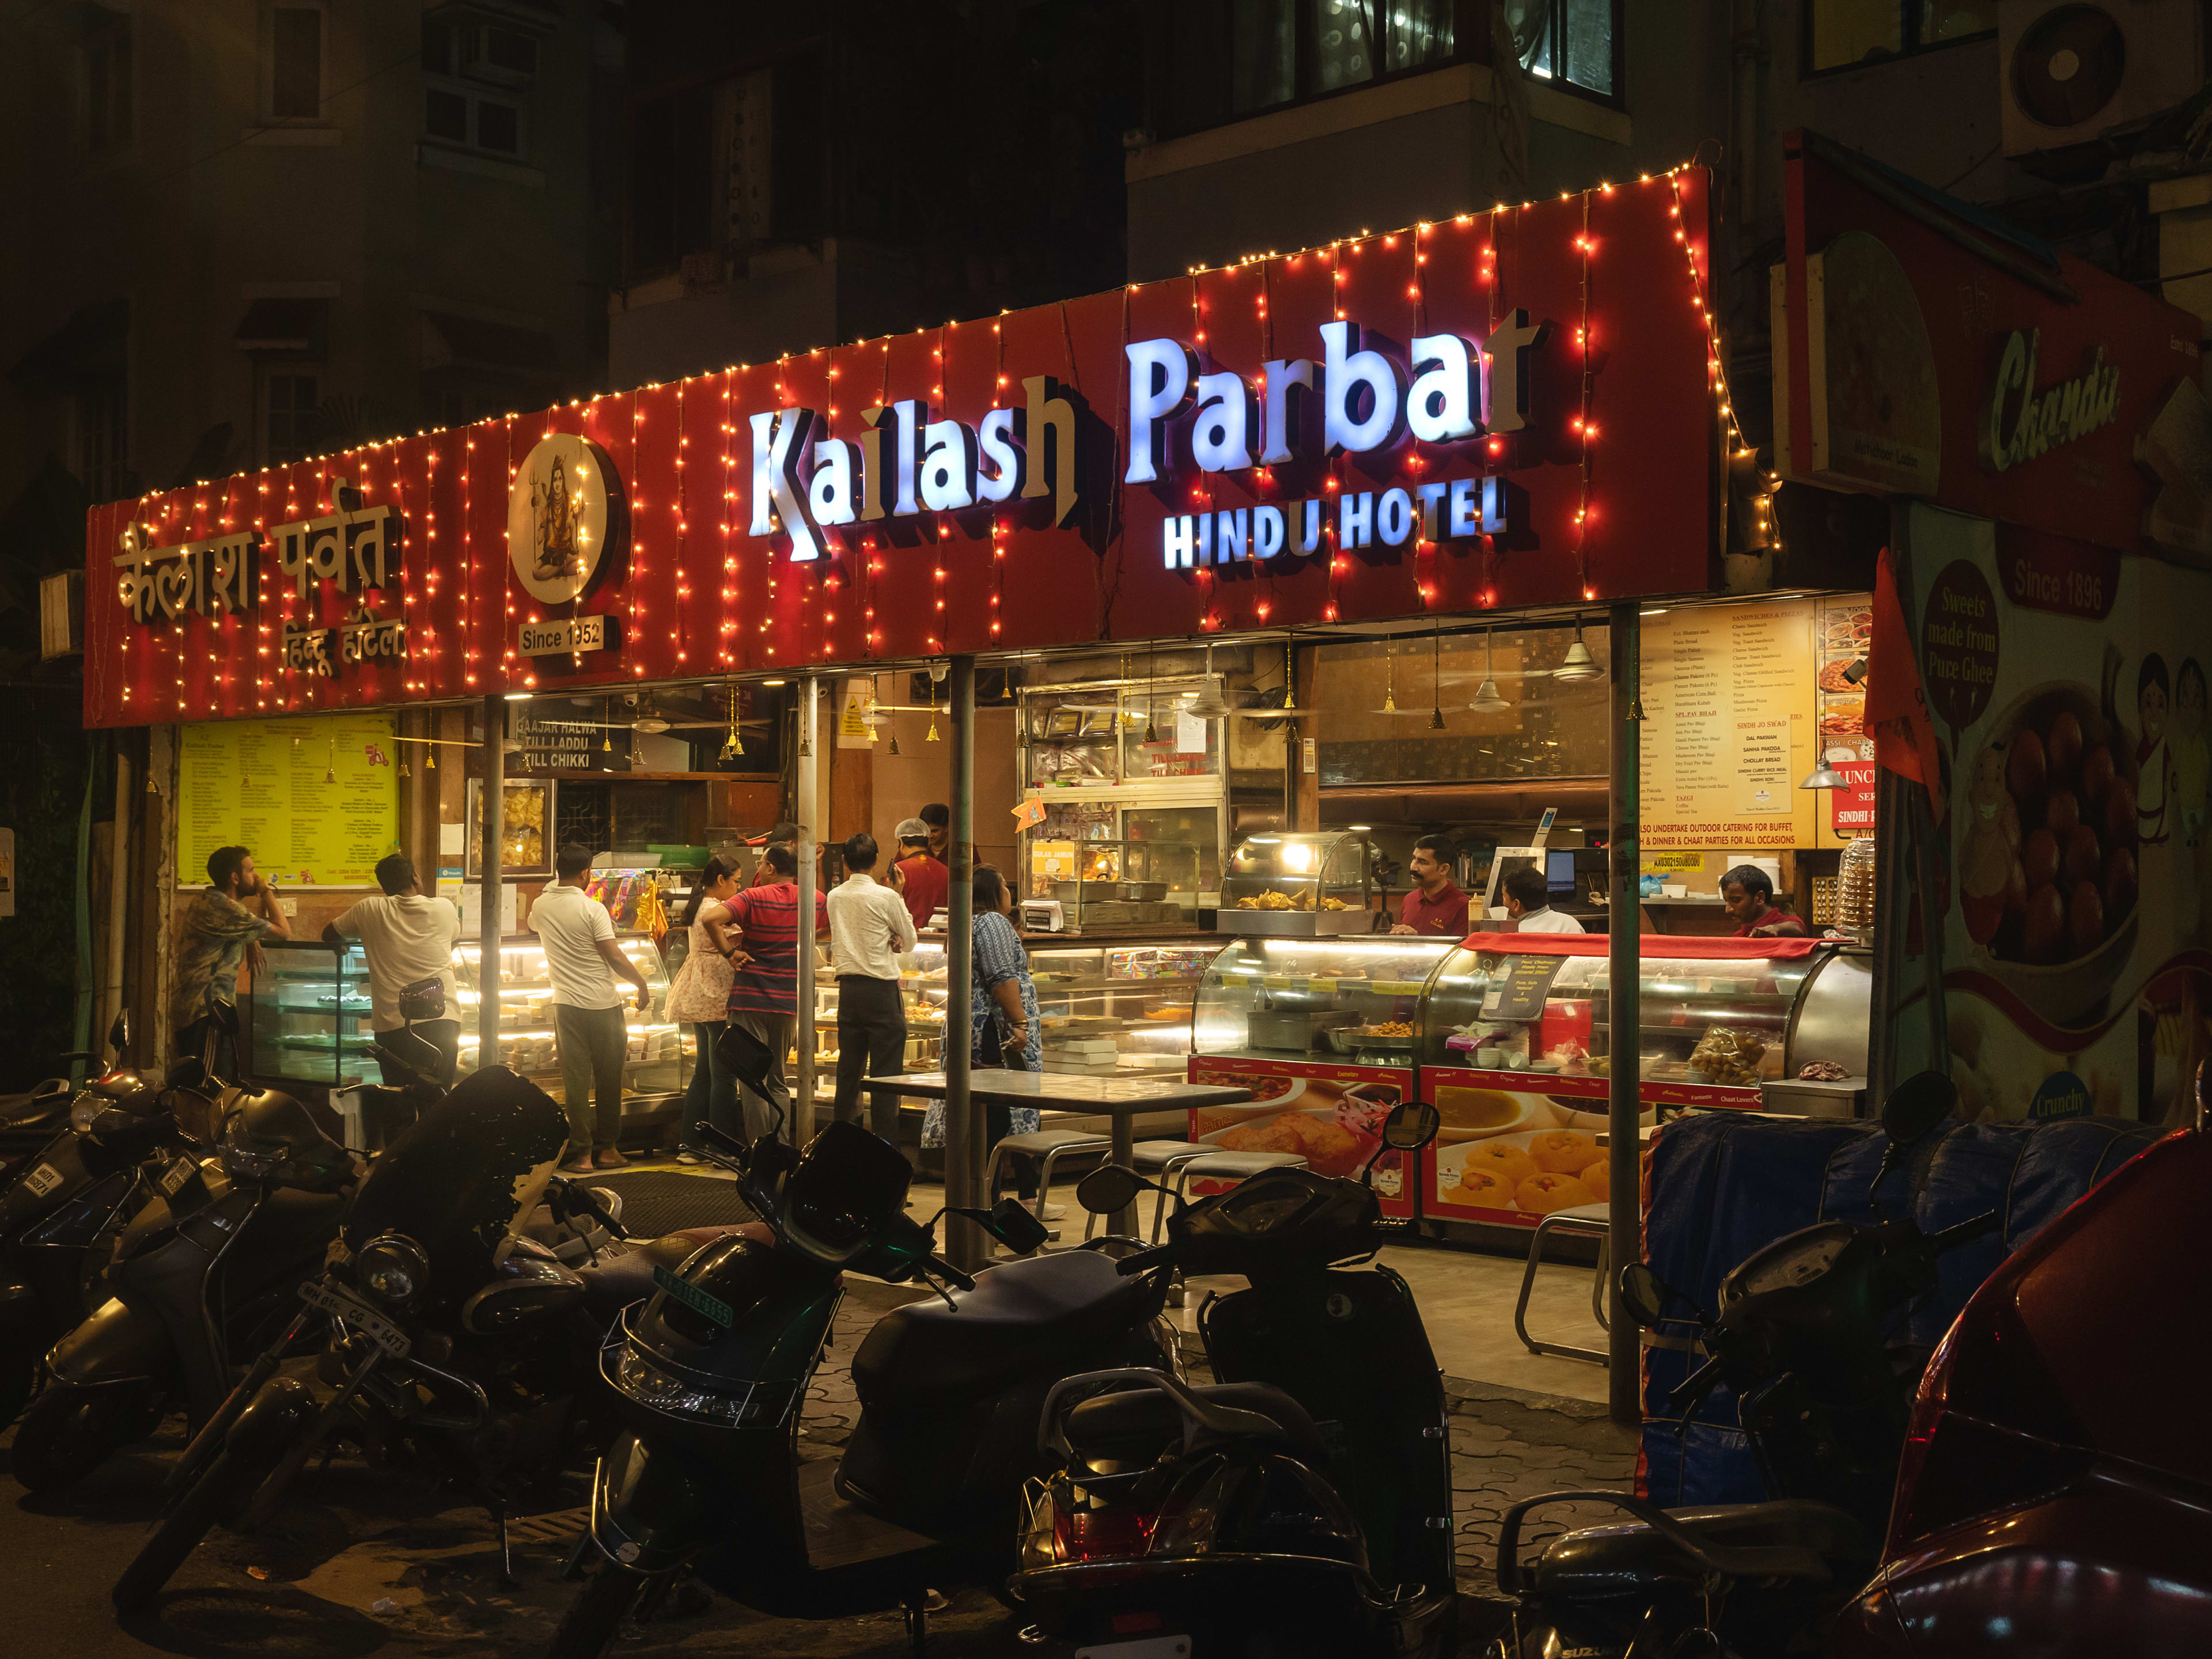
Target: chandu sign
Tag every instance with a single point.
(1495, 410)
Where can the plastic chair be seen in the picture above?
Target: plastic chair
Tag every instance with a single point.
(1591, 1221)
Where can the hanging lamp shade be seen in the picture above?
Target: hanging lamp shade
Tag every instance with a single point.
(1579, 665)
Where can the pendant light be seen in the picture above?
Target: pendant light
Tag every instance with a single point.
(1435, 678)
(1579, 664)
(1488, 700)
(1210, 704)
(1825, 776)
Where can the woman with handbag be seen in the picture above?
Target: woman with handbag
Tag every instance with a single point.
(700, 998)
(1003, 1027)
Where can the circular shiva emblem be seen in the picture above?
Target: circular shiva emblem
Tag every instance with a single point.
(561, 514)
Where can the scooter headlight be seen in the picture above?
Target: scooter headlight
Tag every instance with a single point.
(731, 1402)
(82, 1111)
(392, 1267)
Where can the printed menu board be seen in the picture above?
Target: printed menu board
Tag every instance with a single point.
(1728, 727)
(315, 800)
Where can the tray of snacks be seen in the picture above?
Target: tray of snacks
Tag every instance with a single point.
(1392, 1037)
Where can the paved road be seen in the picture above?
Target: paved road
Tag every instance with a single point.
(366, 1563)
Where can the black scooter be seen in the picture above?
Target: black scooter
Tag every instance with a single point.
(62, 1207)
(1802, 1339)
(449, 1340)
(208, 1270)
(709, 1475)
(1302, 1504)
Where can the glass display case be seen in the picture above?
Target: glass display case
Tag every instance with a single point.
(1329, 881)
(1107, 883)
(660, 1053)
(1515, 1053)
(305, 1023)
(922, 990)
(1323, 1032)
(526, 827)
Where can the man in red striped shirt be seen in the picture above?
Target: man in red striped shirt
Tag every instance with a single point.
(764, 987)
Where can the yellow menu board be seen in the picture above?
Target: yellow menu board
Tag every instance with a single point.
(1728, 729)
(315, 800)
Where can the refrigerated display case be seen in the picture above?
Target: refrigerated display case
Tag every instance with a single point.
(1329, 881)
(305, 1022)
(1516, 1054)
(1325, 1033)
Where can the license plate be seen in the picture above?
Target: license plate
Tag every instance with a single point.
(173, 1179)
(354, 1311)
(709, 1307)
(1151, 1647)
(43, 1180)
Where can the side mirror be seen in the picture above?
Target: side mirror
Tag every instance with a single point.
(1107, 1188)
(1011, 1224)
(119, 1034)
(1643, 1294)
(1917, 1105)
(1412, 1125)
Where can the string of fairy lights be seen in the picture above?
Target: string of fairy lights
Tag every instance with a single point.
(264, 681)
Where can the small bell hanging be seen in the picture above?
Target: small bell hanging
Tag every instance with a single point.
(404, 770)
(430, 755)
(931, 736)
(606, 729)
(1389, 680)
(1290, 680)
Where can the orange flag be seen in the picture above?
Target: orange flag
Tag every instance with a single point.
(1896, 706)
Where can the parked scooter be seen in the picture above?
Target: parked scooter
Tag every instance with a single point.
(1803, 1338)
(62, 1208)
(453, 1343)
(713, 1369)
(1301, 1504)
(30, 1120)
(208, 1271)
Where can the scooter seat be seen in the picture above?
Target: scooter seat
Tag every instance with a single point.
(1031, 1314)
(1787, 1537)
(1133, 1426)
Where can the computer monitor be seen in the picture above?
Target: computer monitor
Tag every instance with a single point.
(1559, 871)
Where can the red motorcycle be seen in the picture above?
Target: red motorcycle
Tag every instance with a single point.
(2055, 1495)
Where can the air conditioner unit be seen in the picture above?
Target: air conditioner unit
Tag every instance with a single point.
(2069, 72)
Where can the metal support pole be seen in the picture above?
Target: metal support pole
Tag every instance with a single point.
(805, 786)
(118, 873)
(491, 812)
(966, 1131)
(1623, 986)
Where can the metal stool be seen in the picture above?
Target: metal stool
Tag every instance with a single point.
(1232, 1166)
(1160, 1160)
(1048, 1147)
(1592, 1221)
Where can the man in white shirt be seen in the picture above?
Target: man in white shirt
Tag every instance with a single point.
(408, 938)
(1529, 903)
(869, 930)
(581, 959)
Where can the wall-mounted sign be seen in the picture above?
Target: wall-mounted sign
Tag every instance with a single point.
(569, 745)
(316, 801)
(354, 547)
(1319, 430)
(563, 509)
(565, 636)
(2019, 423)
(363, 637)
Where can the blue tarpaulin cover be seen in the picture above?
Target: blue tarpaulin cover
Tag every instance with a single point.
(1723, 1183)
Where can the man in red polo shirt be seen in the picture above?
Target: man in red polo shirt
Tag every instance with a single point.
(923, 881)
(764, 987)
(1436, 907)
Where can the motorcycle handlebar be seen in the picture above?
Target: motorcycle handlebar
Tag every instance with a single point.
(1965, 1232)
(1144, 1260)
(951, 1274)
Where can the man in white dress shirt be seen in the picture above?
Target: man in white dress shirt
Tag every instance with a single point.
(869, 930)
(1529, 903)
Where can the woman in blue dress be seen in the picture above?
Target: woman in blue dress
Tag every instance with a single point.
(1002, 1018)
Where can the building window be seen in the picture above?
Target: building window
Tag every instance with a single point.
(289, 425)
(100, 408)
(107, 85)
(1842, 34)
(295, 81)
(475, 85)
(1573, 43)
(1220, 60)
